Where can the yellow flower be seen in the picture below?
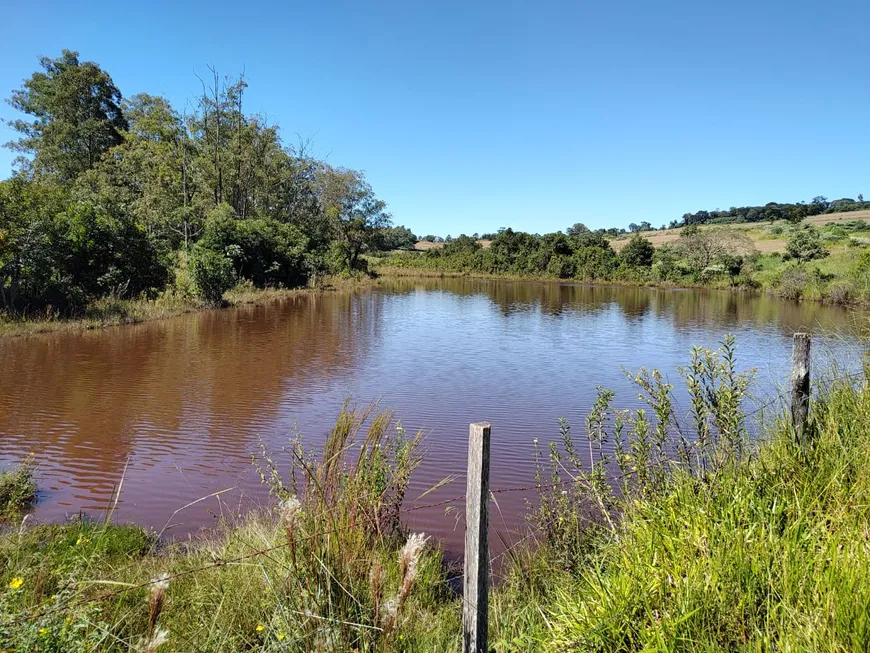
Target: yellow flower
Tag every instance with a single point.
(260, 628)
(281, 637)
(15, 583)
(83, 540)
(43, 632)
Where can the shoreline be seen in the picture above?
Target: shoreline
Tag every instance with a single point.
(125, 312)
(388, 272)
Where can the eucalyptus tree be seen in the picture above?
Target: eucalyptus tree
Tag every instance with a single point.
(76, 117)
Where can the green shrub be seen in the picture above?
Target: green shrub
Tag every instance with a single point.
(63, 255)
(17, 490)
(792, 283)
(212, 274)
(770, 554)
(638, 252)
(265, 251)
(805, 245)
(561, 267)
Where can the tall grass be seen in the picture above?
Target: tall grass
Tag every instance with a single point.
(628, 457)
(767, 548)
(329, 568)
(705, 541)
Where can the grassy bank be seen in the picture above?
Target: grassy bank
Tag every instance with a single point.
(109, 311)
(771, 554)
(705, 542)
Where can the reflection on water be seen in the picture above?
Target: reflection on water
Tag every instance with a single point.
(186, 400)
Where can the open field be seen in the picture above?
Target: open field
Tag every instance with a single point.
(754, 229)
(423, 245)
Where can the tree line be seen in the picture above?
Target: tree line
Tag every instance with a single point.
(770, 212)
(130, 196)
(713, 256)
(773, 211)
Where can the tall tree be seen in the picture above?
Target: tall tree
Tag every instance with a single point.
(356, 214)
(576, 229)
(77, 117)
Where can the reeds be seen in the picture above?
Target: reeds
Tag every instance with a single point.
(341, 514)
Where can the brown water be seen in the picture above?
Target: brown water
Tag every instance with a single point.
(182, 402)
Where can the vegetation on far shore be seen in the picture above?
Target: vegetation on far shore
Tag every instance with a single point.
(829, 263)
(705, 541)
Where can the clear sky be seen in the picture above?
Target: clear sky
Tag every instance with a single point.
(469, 116)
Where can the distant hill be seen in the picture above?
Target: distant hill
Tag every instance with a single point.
(662, 236)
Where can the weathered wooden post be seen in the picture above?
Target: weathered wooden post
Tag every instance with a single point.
(800, 384)
(475, 606)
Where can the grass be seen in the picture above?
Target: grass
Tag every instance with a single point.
(769, 555)
(707, 542)
(17, 490)
(328, 568)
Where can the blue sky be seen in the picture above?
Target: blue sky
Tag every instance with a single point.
(469, 116)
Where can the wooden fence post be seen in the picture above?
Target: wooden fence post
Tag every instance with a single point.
(475, 606)
(800, 385)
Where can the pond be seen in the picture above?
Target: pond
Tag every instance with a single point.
(182, 403)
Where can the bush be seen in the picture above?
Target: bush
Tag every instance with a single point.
(805, 245)
(461, 245)
(212, 275)
(841, 292)
(17, 490)
(638, 252)
(594, 262)
(65, 255)
(561, 267)
(108, 254)
(268, 252)
(796, 282)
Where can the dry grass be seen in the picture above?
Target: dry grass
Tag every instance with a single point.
(849, 216)
(425, 244)
(659, 238)
(763, 245)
